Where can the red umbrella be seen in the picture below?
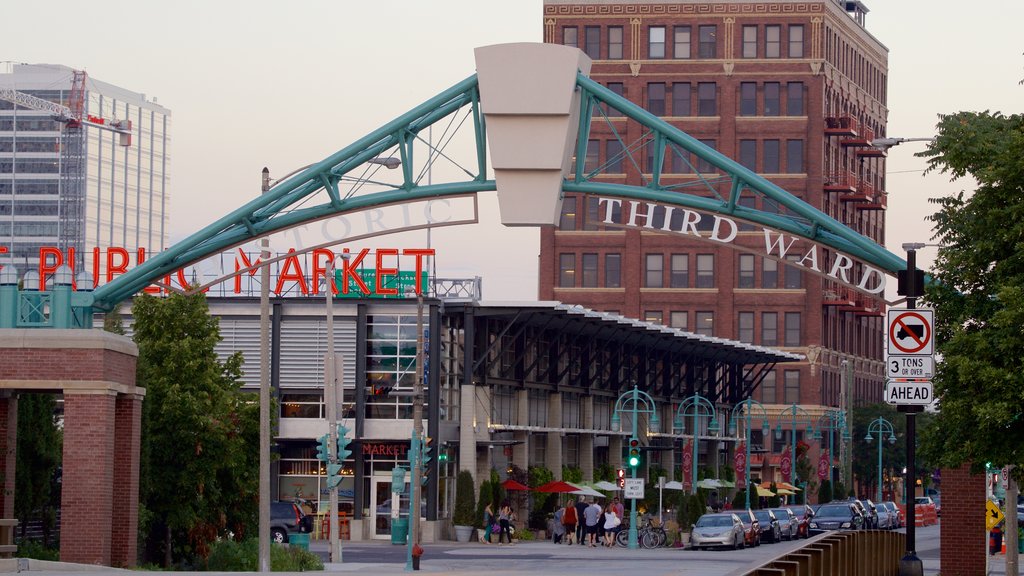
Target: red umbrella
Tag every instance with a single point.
(556, 486)
(511, 484)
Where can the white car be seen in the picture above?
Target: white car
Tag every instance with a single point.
(723, 529)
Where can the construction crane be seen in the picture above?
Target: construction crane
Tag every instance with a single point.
(71, 210)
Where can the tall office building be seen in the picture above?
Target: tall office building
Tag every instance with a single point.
(78, 184)
(792, 89)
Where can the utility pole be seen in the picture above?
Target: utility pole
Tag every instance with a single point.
(331, 397)
(1012, 522)
(911, 285)
(264, 484)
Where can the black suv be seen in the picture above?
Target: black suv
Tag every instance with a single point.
(285, 518)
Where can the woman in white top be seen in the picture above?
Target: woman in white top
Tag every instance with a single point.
(611, 523)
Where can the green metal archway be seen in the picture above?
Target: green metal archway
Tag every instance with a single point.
(336, 184)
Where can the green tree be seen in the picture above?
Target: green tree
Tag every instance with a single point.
(825, 492)
(979, 293)
(465, 499)
(199, 431)
(38, 455)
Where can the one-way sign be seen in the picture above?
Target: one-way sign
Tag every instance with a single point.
(908, 393)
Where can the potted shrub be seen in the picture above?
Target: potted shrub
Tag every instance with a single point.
(465, 506)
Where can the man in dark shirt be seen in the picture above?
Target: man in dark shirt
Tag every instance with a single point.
(581, 529)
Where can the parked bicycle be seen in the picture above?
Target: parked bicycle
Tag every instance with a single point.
(648, 535)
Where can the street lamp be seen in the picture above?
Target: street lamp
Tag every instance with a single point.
(793, 410)
(699, 406)
(745, 410)
(638, 402)
(880, 426)
(833, 421)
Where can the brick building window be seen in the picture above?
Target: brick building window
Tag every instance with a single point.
(680, 273)
(619, 89)
(681, 44)
(792, 337)
(567, 221)
(769, 328)
(678, 319)
(750, 41)
(615, 42)
(704, 323)
(770, 157)
(654, 268)
(656, 98)
(745, 325)
(705, 167)
(613, 270)
(794, 156)
(748, 154)
(746, 272)
(796, 41)
(614, 157)
(707, 99)
(794, 276)
(705, 271)
(772, 41)
(792, 383)
(707, 38)
(570, 36)
(656, 42)
(653, 316)
(768, 389)
(590, 271)
(681, 99)
(592, 42)
(748, 98)
(795, 99)
(772, 100)
(566, 270)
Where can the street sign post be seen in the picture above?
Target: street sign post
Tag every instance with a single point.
(993, 515)
(911, 332)
(634, 488)
(911, 367)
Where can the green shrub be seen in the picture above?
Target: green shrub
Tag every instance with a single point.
(465, 499)
(486, 495)
(35, 550)
(825, 492)
(232, 556)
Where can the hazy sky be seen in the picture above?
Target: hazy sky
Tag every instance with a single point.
(283, 84)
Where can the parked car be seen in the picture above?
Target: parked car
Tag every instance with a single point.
(751, 527)
(787, 522)
(770, 530)
(804, 514)
(288, 518)
(887, 519)
(901, 521)
(867, 510)
(836, 516)
(723, 529)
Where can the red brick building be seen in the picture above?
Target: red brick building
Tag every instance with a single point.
(794, 90)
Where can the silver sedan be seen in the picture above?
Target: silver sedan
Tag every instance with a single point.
(717, 530)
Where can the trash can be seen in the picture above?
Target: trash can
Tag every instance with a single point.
(299, 540)
(399, 530)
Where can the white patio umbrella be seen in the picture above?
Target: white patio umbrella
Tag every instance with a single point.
(607, 486)
(674, 485)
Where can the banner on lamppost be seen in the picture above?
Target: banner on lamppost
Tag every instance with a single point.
(740, 463)
(687, 464)
(786, 465)
(823, 465)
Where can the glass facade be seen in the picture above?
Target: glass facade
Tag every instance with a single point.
(80, 188)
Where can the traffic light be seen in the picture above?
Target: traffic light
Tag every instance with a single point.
(425, 458)
(343, 441)
(620, 476)
(333, 475)
(323, 450)
(634, 453)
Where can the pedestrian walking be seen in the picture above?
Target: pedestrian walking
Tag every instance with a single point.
(592, 517)
(570, 520)
(611, 525)
(488, 524)
(557, 527)
(581, 525)
(505, 516)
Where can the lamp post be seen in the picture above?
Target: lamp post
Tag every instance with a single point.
(744, 410)
(793, 410)
(880, 426)
(834, 421)
(698, 406)
(637, 402)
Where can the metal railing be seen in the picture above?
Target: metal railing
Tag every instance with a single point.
(854, 553)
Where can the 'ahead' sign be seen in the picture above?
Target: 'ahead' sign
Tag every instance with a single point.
(908, 393)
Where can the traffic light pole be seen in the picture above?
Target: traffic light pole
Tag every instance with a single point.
(910, 564)
(330, 396)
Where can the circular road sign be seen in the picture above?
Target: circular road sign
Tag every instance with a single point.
(910, 333)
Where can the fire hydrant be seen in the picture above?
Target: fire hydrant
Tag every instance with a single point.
(417, 551)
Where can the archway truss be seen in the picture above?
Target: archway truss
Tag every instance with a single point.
(354, 180)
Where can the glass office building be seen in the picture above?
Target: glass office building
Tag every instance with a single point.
(80, 188)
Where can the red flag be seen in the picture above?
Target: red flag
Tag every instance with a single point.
(823, 465)
(687, 464)
(786, 465)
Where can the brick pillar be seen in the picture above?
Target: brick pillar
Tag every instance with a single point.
(87, 492)
(962, 530)
(125, 515)
(8, 452)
